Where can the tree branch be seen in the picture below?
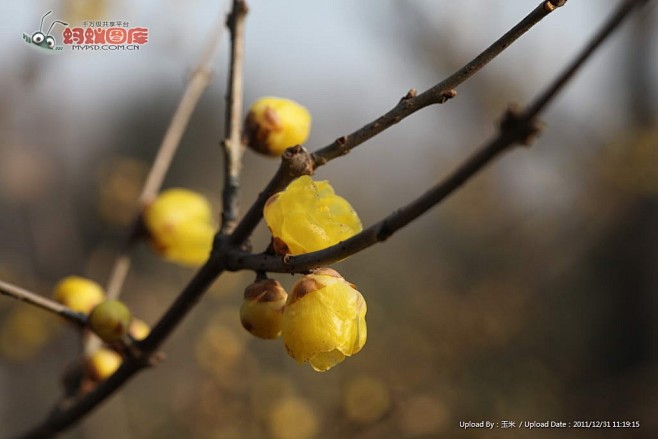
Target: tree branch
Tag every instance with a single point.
(15, 292)
(382, 230)
(608, 27)
(408, 105)
(516, 127)
(233, 146)
(438, 94)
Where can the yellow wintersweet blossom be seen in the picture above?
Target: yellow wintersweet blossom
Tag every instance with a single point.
(308, 216)
(274, 124)
(180, 225)
(324, 320)
(78, 293)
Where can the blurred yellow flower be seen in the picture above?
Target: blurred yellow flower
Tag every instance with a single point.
(366, 399)
(103, 363)
(139, 329)
(180, 225)
(324, 320)
(274, 124)
(24, 331)
(78, 293)
(308, 216)
(293, 418)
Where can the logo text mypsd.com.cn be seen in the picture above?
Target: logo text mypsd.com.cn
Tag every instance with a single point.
(93, 35)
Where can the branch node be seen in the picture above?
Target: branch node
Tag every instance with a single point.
(551, 5)
(297, 161)
(240, 9)
(341, 147)
(518, 126)
(384, 232)
(447, 94)
(156, 358)
(412, 93)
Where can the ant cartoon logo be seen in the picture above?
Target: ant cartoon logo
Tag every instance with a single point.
(46, 41)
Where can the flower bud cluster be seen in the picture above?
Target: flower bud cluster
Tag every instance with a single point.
(322, 321)
(110, 320)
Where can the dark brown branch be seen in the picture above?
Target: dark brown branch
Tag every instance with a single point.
(516, 127)
(438, 94)
(233, 146)
(59, 420)
(18, 293)
(182, 305)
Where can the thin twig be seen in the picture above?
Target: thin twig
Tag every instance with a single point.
(609, 26)
(197, 84)
(15, 292)
(516, 127)
(233, 146)
(438, 94)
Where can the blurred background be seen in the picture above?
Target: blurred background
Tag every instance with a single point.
(528, 295)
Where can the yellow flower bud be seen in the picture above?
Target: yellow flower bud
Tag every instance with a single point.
(274, 124)
(110, 320)
(180, 225)
(139, 329)
(103, 363)
(262, 308)
(324, 320)
(308, 216)
(78, 293)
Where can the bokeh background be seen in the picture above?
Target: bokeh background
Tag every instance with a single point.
(528, 295)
